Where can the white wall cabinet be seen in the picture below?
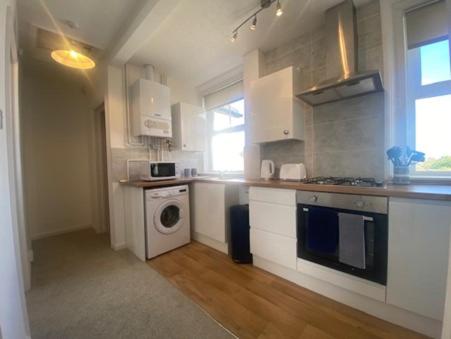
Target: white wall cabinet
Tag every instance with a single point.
(188, 127)
(418, 255)
(273, 218)
(210, 218)
(276, 112)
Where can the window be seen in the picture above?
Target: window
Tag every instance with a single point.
(428, 89)
(226, 134)
(429, 106)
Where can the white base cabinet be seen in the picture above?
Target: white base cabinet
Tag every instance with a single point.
(210, 218)
(272, 218)
(418, 255)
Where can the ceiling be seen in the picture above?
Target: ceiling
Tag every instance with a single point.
(193, 43)
(87, 21)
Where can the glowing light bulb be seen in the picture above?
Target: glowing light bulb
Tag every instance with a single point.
(253, 27)
(73, 59)
(279, 10)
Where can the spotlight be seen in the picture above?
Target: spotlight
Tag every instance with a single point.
(234, 36)
(279, 10)
(254, 24)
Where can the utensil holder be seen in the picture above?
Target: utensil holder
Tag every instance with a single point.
(401, 175)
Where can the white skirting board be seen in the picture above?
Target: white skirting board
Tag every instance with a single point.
(58, 232)
(217, 245)
(427, 326)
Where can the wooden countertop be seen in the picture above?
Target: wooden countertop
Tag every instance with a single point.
(413, 191)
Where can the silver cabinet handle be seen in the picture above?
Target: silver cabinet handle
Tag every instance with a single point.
(285, 131)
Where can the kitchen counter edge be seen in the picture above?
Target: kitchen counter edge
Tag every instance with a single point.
(412, 191)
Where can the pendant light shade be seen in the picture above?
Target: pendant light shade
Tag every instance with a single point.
(74, 59)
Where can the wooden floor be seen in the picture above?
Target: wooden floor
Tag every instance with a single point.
(252, 303)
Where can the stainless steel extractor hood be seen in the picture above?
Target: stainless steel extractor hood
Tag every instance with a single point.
(342, 77)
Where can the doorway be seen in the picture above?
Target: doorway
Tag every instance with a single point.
(102, 217)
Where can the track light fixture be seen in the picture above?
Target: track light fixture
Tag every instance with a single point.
(234, 36)
(254, 24)
(279, 10)
(263, 4)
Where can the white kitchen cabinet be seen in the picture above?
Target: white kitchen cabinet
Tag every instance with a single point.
(418, 255)
(188, 127)
(135, 229)
(273, 247)
(211, 203)
(276, 112)
(278, 219)
(272, 217)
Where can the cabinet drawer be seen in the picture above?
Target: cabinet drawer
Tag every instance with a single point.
(274, 247)
(273, 195)
(279, 219)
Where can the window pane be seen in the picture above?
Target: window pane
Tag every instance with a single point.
(435, 65)
(227, 152)
(433, 123)
(228, 116)
(237, 113)
(221, 120)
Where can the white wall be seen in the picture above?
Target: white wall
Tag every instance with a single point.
(446, 333)
(119, 140)
(57, 125)
(13, 317)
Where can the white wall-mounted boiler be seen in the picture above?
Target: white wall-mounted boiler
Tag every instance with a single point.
(150, 109)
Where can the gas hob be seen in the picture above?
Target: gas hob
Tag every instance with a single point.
(344, 181)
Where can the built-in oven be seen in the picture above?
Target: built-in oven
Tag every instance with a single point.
(345, 232)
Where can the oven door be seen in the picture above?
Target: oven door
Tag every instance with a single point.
(319, 241)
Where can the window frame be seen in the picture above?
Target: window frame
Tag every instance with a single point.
(415, 91)
(211, 133)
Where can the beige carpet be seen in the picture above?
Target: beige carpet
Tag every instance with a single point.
(83, 289)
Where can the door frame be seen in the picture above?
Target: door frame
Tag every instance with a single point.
(13, 309)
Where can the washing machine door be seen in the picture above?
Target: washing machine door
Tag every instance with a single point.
(168, 217)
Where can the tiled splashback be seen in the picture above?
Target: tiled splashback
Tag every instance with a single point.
(344, 138)
(119, 157)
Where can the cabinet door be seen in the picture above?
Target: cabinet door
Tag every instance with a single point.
(274, 247)
(209, 210)
(193, 128)
(418, 255)
(272, 107)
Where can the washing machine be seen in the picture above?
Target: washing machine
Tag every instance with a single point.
(167, 219)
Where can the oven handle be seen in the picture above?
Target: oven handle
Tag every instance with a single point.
(365, 218)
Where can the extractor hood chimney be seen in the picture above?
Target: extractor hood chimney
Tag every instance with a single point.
(342, 78)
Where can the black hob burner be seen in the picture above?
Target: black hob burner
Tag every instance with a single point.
(344, 181)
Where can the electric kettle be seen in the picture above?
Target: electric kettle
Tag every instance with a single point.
(267, 169)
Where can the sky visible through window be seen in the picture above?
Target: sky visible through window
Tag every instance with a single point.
(435, 65)
(433, 115)
(228, 142)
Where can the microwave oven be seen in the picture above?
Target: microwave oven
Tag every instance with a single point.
(150, 170)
